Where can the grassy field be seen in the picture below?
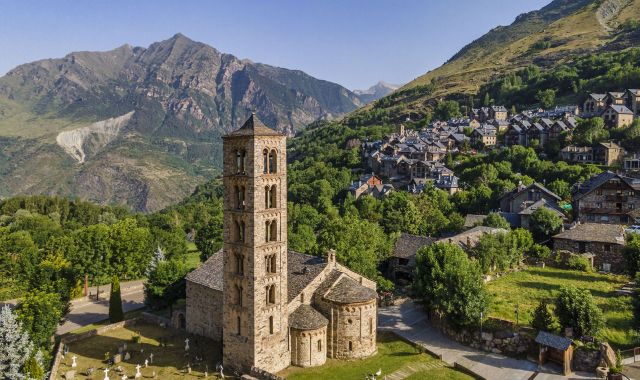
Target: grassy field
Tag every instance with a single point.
(528, 287)
(393, 354)
(168, 362)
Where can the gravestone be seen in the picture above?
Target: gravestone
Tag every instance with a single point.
(117, 358)
(70, 374)
(127, 356)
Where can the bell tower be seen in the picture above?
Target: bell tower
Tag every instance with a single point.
(255, 316)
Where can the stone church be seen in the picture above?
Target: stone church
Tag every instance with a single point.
(272, 307)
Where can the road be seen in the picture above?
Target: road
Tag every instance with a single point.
(410, 322)
(87, 311)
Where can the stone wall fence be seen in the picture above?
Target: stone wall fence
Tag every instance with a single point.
(70, 338)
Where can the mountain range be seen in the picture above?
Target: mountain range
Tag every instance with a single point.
(141, 126)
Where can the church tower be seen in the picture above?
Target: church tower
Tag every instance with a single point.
(255, 317)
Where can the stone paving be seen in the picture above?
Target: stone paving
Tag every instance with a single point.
(410, 322)
(410, 369)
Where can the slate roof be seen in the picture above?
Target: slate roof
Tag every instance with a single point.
(541, 203)
(305, 317)
(347, 290)
(471, 220)
(594, 232)
(407, 245)
(519, 190)
(470, 238)
(209, 274)
(598, 96)
(599, 180)
(299, 278)
(254, 127)
(553, 341)
(621, 109)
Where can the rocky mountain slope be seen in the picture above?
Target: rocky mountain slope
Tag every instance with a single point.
(549, 37)
(142, 126)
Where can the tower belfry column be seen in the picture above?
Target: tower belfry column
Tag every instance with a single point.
(255, 316)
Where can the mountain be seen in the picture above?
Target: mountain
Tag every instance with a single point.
(550, 37)
(141, 126)
(376, 91)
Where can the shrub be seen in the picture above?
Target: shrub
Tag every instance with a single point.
(540, 252)
(116, 314)
(579, 263)
(577, 309)
(542, 318)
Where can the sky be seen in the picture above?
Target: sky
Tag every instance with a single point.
(355, 43)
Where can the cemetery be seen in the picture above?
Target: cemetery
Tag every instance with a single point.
(140, 350)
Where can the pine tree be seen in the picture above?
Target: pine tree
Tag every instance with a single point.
(487, 100)
(15, 346)
(115, 302)
(33, 367)
(542, 318)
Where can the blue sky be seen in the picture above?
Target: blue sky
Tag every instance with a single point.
(351, 42)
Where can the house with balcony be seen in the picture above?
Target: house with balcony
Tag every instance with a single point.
(607, 198)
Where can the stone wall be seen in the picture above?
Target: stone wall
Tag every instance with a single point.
(611, 256)
(352, 329)
(204, 311)
(309, 348)
(585, 360)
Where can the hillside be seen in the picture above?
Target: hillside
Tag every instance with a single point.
(550, 37)
(141, 126)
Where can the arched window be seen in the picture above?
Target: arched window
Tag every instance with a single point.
(273, 161)
(239, 295)
(241, 160)
(265, 161)
(272, 197)
(274, 231)
(271, 324)
(350, 346)
(240, 231)
(370, 326)
(239, 325)
(319, 345)
(267, 231)
(271, 294)
(267, 197)
(240, 190)
(239, 264)
(270, 263)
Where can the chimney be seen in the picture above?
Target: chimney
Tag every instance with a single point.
(331, 256)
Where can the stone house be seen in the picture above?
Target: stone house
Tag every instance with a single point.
(607, 198)
(539, 132)
(485, 134)
(617, 116)
(603, 241)
(557, 129)
(577, 154)
(498, 113)
(370, 184)
(272, 307)
(616, 98)
(500, 125)
(468, 239)
(516, 135)
(524, 215)
(595, 104)
(633, 101)
(403, 259)
(607, 153)
(632, 162)
(523, 196)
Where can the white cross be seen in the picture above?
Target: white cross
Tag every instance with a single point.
(146, 363)
(138, 374)
(186, 344)
(106, 374)
(151, 358)
(73, 361)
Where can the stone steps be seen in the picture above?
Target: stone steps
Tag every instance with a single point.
(410, 369)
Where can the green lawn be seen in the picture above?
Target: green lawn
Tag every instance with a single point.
(393, 354)
(528, 287)
(168, 361)
(193, 256)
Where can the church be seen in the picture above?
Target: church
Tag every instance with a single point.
(269, 306)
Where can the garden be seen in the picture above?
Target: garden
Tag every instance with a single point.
(525, 289)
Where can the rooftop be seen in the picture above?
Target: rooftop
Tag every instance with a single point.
(254, 127)
(594, 232)
(554, 341)
(305, 317)
(407, 245)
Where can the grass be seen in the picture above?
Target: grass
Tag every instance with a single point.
(168, 362)
(128, 315)
(528, 287)
(393, 354)
(193, 256)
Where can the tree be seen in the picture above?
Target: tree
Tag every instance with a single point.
(449, 283)
(487, 100)
(447, 109)
(544, 223)
(165, 285)
(577, 309)
(130, 248)
(116, 314)
(542, 318)
(631, 254)
(33, 367)
(590, 131)
(15, 346)
(209, 238)
(561, 188)
(547, 98)
(39, 313)
(496, 220)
